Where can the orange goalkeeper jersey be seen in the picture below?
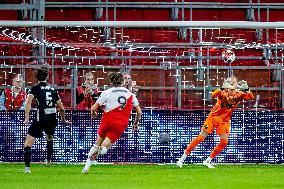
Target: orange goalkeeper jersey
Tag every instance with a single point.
(223, 109)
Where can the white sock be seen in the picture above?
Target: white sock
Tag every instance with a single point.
(88, 164)
(88, 161)
(93, 150)
(183, 157)
(102, 150)
(209, 159)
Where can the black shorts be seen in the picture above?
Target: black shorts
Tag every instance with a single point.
(37, 127)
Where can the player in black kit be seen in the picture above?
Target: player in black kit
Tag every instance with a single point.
(47, 101)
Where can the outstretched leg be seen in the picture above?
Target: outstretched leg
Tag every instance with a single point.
(93, 154)
(217, 150)
(191, 147)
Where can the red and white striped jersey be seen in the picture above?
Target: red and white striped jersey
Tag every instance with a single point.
(118, 102)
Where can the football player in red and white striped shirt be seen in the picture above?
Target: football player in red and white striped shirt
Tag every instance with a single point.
(118, 102)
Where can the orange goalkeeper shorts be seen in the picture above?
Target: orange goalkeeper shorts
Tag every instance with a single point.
(221, 128)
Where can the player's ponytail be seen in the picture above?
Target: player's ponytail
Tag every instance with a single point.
(116, 78)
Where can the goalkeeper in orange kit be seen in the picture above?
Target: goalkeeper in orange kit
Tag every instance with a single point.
(228, 98)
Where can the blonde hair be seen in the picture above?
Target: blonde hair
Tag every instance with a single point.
(232, 77)
(88, 74)
(18, 77)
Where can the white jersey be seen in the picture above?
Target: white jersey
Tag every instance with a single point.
(116, 97)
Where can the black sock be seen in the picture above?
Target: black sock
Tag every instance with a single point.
(27, 156)
(49, 150)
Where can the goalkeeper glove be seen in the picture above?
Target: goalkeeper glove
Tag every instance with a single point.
(243, 85)
(227, 85)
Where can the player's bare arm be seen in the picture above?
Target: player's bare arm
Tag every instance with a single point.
(94, 110)
(62, 111)
(28, 108)
(137, 118)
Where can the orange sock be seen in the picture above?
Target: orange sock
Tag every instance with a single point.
(218, 149)
(193, 144)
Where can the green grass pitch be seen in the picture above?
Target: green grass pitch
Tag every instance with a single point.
(68, 176)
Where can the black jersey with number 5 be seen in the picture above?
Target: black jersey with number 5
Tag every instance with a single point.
(46, 97)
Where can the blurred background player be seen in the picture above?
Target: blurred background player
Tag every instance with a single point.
(47, 100)
(130, 84)
(14, 98)
(132, 87)
(118, 103)
(228, 98)
(87, 93)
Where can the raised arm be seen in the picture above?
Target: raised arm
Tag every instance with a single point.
(248, 95)
(216, 93)
(226, 85)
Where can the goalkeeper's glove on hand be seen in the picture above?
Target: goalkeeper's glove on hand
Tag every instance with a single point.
(227, 85)
(243, 85)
